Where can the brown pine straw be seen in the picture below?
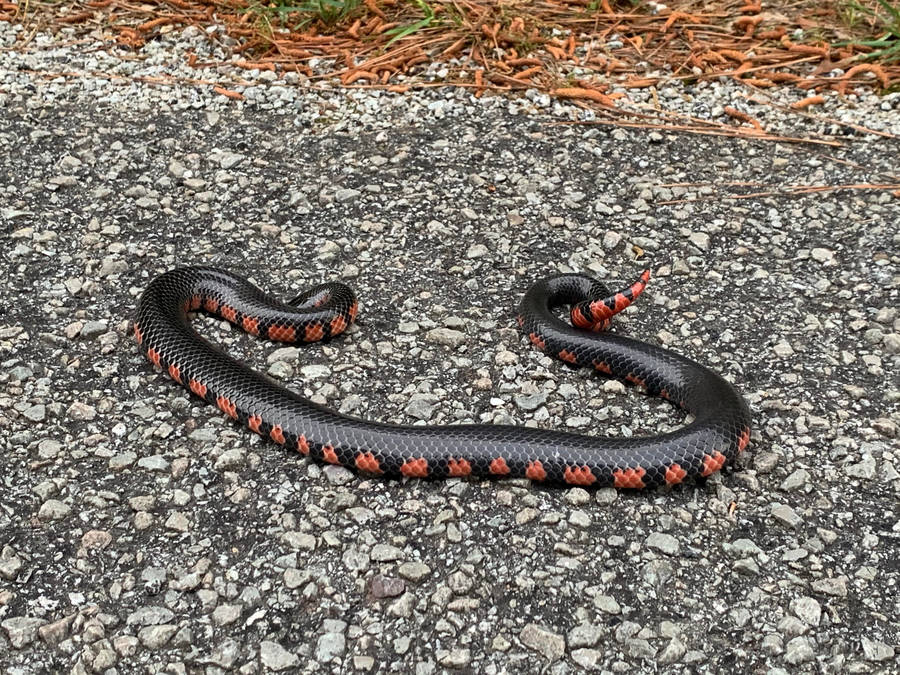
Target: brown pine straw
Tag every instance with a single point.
(491, 46)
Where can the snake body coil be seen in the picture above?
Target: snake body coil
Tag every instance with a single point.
(720, 429)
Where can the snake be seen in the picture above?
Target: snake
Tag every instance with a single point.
(717, 433)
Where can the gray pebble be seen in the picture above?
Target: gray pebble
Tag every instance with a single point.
(785, 515)
(446, 336)
(799, 650)
(550, 645)
(35, 413)
(53, 509)
(664, 543)
(275, 657)
(21, 630)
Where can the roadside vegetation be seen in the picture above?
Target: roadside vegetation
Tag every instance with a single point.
(592, 52)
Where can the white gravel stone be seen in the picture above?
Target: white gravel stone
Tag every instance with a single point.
(275, 657)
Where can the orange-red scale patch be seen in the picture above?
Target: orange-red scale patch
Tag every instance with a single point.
(211, 304)
(579, 319)
(329, 455)
(313, 332)
(537, 341)
(602, 367)
(634, 379)
(281, 333)
(600, 312)
(198, 388)
(535, 471)
(153, 355)
(254, 422)
(579, 475)
(675, 474)
(566, 355)
(354, 308)
(302, 445)
(499, 467)
(277, 434)
(458, 467)
(228, 407)
(712, 463)
(138, 335)
(175, 372)
(629, 478)
(229, 313)
(338, 324)
(415, 468)
(366, 461)
(250, 325)
(744, 439)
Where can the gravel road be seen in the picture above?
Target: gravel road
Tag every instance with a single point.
(142, 532)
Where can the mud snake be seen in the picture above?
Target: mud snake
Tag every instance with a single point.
(719, 431)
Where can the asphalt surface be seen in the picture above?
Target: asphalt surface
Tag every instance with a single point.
(142, 531)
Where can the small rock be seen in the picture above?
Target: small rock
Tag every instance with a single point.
(54, 633)
(783, 349)
(53, 509)
(477, 251)
(822, 255)
(329, 646)
(386, 587)
(226, 653)
(798, 651)
(700, 240)
(587, 658)
(673, 652)
(225, 614)
(785, 515)
(276, 657)
(529, 402)
(551, 645)
(149, 616)
(797, 480)
(886, 427)
(421, 406)
(446, 336)
(807, 610)
(154, 463)
(48, 448)
(414, 571)
(35, 413)
(346, 195)
(454, 658)
(585, 635)
(230, 459)
(96, 539)
(228, 160)
(875, 650)
(22, 630)
(639, 648)
(607, 604)
(178, 522)
(865, 469)
(664, 543)
(81, 411)
(386, 553)
(154, 637)
(93, 328)
(835, 586)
